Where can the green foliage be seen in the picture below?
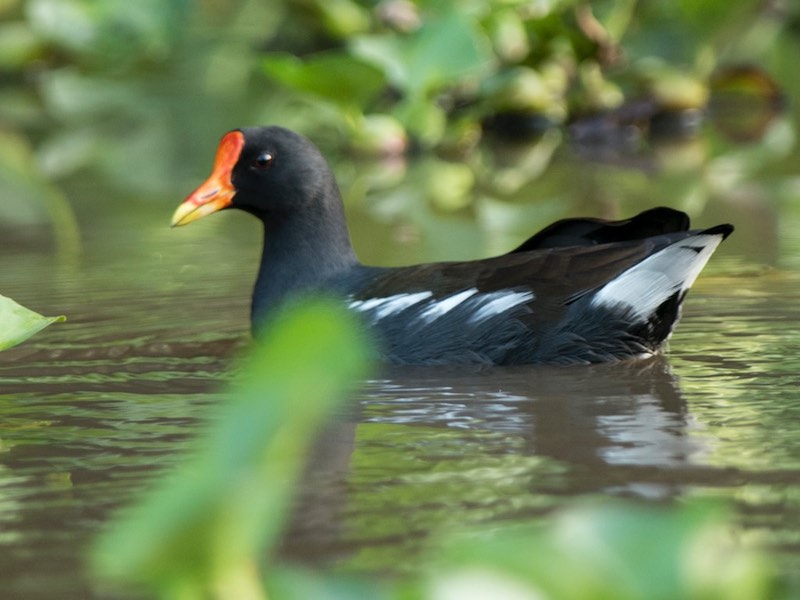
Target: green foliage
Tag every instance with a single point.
(203, 527)
(133, 91)
(111, 33)
(444, 49)
(92, 85)
(606, 550)
(17, 323)
(445, 59)
(343, 80)
(339, 18)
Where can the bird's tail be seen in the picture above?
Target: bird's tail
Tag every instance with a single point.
(651, 292)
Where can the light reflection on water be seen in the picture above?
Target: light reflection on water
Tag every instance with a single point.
(433, 450)
(92, 408)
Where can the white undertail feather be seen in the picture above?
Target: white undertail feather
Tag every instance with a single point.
(645, 286)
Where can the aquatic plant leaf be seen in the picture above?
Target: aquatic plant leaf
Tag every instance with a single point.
(18, 323)
(342, 18)
(336, 77)
(110, 31)
(441, 52)
(701, 14)
(202, 526)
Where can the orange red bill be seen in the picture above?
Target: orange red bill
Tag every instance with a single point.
(216, 192)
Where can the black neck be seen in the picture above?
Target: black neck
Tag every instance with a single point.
(301, 251)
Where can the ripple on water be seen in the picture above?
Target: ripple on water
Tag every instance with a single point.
(93, 408)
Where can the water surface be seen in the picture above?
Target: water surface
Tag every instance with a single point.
(92, 409)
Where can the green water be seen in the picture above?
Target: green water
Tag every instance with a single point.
(91, 409)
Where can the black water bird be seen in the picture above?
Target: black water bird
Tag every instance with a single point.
(580, 291)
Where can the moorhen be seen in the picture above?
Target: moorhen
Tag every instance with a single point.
(579, 291)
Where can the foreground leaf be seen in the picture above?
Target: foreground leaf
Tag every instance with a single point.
(203, 528)
(602, 549)
(17, 323)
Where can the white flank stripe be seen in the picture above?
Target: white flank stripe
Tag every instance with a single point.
(440, 307)
(485, 306)
(383, 307)
(499, 302)
(644, 287)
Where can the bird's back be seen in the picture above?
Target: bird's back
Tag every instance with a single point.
(574, 304)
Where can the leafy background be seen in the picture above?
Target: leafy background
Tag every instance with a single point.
(134, 93)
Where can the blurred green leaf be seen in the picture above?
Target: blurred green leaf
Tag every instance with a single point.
(66, 22)
(717, 12)
(333, 76)
(18, 45)
(509, 38)
(114, 32)
(448, 185)
(444, 50)
(527, 90)
(423, 118)
(29, 198)
(65, 152)
(202, 526)
(299, 584)
(672, 88)
(378, 135)
(607, 550)
(18, 323)
(72, 96)
(342, 18)
(7, 6)
(615, 16)
(20, 106)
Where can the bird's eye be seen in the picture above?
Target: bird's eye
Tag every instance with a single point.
(263, 161)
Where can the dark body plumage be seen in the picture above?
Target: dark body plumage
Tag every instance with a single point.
(581, 290)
